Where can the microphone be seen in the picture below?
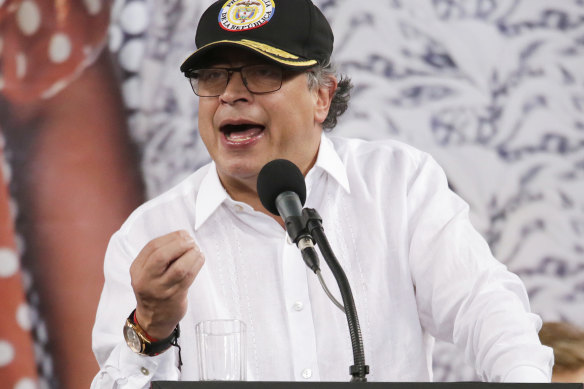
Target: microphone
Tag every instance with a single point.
(282, 191)
(278, 177)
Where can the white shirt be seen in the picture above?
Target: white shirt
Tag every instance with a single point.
(416, 266)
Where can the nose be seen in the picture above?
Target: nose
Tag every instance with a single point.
(235, 89)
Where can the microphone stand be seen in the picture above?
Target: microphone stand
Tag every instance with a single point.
(313, 223)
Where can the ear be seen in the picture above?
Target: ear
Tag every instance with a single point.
(323, 98)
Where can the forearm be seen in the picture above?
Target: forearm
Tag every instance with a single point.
(465, 296)
(498, 332)
(129, 281)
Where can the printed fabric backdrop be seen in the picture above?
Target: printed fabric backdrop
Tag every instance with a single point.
(493, 89)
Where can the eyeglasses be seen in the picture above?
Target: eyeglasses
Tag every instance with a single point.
(257, 79)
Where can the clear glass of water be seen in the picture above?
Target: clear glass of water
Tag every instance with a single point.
(221, 348)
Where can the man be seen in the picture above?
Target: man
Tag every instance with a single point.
(208, 249)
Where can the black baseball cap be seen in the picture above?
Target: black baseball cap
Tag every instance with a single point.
(291, 33)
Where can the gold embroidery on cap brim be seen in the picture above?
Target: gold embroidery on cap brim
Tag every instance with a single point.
(266, 50)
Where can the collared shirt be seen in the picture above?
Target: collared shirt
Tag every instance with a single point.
(416, 266)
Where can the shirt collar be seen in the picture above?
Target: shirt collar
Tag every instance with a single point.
(212, 194)
(329, 161)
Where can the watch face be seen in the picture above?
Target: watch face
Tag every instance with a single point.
(132, 339)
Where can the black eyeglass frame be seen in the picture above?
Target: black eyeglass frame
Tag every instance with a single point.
(239, 69)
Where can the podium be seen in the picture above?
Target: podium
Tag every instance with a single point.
(347, 385)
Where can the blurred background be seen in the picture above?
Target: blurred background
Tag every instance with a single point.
(96, 118)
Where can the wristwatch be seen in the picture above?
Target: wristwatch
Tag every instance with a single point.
(140, 342)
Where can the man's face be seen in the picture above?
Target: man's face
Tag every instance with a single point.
(243, 131)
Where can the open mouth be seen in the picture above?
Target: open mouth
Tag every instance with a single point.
(242, 133)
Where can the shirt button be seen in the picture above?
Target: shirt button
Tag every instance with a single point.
(144, 371)
(307, 373)
(298, 306)
(238, 208)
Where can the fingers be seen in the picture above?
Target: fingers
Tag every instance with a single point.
(156, 257)
(182, 272)
(161, 276)
(166, 267)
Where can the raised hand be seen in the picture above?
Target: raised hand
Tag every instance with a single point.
(161, 276)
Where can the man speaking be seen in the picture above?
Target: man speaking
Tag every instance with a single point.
(208, 249)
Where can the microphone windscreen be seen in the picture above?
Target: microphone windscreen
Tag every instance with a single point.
(278, 176)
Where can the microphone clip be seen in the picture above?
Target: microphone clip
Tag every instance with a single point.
(301, 227)
(296, 228)
(299, 234)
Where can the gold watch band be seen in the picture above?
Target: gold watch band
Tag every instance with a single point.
(140, 342)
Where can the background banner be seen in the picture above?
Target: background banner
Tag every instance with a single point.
(95, 118)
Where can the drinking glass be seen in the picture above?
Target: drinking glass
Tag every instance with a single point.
(221, 347)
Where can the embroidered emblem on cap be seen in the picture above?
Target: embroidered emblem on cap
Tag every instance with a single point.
(237, 15)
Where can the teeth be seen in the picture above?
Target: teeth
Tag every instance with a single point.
(242, 134)
(238, 138)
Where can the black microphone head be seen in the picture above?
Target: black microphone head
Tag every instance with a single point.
(278, 176)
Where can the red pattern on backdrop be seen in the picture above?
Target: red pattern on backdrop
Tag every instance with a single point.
(47, 43)
(17, 362)
(44, 45)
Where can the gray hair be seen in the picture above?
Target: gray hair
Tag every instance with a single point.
(322, 76)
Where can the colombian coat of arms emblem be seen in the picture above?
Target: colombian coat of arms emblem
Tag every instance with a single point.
(239, 15)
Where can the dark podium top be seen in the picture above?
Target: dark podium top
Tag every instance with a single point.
(347, 385)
